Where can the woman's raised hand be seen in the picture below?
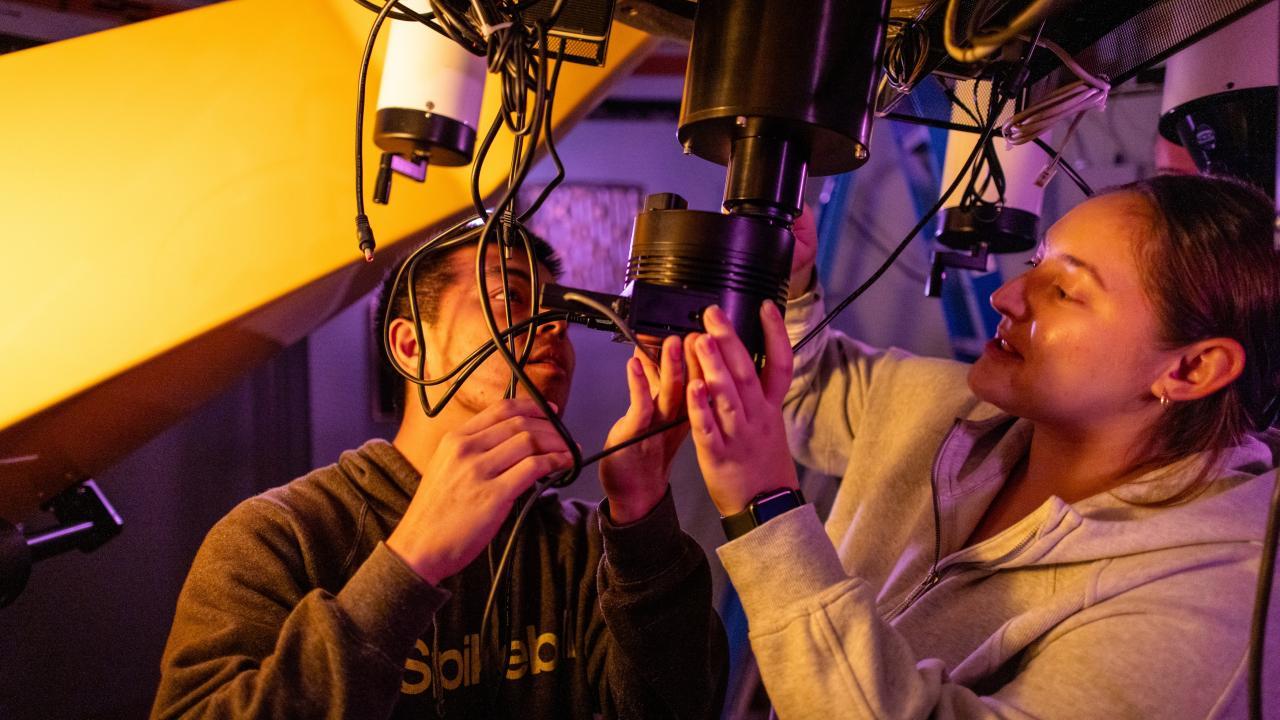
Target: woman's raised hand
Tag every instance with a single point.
(735, 417)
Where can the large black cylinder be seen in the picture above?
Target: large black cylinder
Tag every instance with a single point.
(802, 71)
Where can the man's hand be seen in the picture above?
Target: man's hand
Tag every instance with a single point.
(635, 478)
(736, 418)
(805, 252)
(475, 475)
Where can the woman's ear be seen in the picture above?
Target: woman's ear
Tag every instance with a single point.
(404, 345)
(1201, 369)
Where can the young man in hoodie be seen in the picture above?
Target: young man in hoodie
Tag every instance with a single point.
(358, 590)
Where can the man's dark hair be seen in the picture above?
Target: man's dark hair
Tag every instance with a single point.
(433, 275)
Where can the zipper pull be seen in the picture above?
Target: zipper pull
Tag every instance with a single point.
(930, 580)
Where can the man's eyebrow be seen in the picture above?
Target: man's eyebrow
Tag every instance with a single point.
(1076, 262)
(519, 273)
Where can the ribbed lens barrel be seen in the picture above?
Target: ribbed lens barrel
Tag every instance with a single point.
(684, 260)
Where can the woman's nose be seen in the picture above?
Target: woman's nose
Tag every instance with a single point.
(1010, 298)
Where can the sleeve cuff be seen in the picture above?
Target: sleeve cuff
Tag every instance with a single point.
(640, 549)
(794, 540)
(389, 604)
(804, 312)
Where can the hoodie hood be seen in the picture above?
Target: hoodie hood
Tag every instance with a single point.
(1127, 520)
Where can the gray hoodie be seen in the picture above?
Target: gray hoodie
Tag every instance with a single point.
(1107, 608)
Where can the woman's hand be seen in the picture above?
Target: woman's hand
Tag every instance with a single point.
(804, 253)
(735, 417)
(635, 478)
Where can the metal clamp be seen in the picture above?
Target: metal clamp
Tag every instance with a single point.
(86, 520)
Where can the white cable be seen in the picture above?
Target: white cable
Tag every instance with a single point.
(1087, 93)
(1052, 168)
(1071, 100)
(488, 30)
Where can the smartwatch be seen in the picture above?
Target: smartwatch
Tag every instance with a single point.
(762, 508)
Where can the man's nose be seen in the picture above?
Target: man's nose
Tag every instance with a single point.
(556, 327)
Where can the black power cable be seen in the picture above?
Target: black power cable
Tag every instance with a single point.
(1071, 172)
(511, 53)
(518, 53)
(364, 233)
(902, 246)
(999, 99)
(502, 214)
(906, 56)
(406, 13)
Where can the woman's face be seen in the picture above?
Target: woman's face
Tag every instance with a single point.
(1077, 344)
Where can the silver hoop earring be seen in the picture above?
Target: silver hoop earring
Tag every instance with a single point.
(1165, 402)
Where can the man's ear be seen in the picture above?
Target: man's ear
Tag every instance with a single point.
(1200, 369)
(404, 345)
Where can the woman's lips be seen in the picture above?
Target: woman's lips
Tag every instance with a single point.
(1000, 348)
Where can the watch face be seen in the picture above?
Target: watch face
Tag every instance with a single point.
(763, 508)
(785, 492)
(776, 504)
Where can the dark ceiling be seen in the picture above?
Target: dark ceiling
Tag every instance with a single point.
(27, 23)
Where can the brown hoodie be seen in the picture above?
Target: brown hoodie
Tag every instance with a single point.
(294, 607)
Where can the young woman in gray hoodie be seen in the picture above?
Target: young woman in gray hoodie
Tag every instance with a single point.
(1068, 528)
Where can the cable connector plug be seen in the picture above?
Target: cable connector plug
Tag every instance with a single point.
(1013, 79)
(364, 233)
(382, 186)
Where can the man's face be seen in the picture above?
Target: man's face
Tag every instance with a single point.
(460, 328)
